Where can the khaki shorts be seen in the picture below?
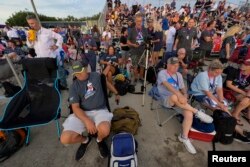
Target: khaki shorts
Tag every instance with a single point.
(72, 123)
(166, 103)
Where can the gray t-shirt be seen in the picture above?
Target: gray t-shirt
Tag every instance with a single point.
(185, 37)
(175, 80)
(137, 36)
(88, 93)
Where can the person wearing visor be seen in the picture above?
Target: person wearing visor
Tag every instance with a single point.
(174, 95)
(90, 114)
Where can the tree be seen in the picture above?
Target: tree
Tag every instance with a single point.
(19, 18)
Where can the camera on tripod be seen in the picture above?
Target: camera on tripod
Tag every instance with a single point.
(148, 41)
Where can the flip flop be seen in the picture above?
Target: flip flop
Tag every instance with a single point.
(244, 115)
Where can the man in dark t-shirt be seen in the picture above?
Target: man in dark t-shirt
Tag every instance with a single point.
(90, 114)
(136, 40)
(238, 80)
(185, 38)
(206, 40)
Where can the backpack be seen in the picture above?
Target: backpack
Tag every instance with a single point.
(123, 151)
(224, 127)
(122, 87)
(11, 142)
(10, 89)
(125, 119)
(151, 75)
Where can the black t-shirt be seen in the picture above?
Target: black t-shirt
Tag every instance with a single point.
(123, 40)
(239, 80)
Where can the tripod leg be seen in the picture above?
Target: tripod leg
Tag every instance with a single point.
(145, 77)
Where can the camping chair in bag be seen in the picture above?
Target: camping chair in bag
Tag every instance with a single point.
(39, 100)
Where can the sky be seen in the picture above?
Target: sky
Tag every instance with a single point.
(63, 8)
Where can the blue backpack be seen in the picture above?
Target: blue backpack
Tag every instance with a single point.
(123, 151)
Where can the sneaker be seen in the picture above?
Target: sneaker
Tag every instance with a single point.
(203, 116)
(247, 134)
(81, 150)
(103, 149)
(241, 139)
(190, 148)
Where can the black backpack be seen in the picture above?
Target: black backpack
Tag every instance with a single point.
(151, 75)
(122, 87)
(10, 89)
(11, 142)
(224, 127)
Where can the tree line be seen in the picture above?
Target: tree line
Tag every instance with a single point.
(19, 18)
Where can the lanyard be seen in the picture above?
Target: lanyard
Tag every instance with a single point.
(177, 82)
(242, 78)
(213, 84)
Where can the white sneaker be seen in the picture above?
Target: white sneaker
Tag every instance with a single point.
(190, 148)
(203, 116)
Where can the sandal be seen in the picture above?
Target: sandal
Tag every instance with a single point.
(239, 122)
(245, 116)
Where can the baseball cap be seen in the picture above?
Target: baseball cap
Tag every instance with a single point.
(78, 67)
(173, 60)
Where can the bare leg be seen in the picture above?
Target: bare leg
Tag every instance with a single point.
(103, 130)
(70, 137)
(241, 106)
(187, 122)
(174, 101)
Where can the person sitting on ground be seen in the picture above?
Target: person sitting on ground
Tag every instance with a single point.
(238, 80)
(173, 92)
(111, 62)
(208, 88)
(90, 113)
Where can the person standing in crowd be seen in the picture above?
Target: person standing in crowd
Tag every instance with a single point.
(88, 45)
(170, 37)
(228, 44)
(186, 37)
(96, 36)
(157, 41)
(44, 45)
(173, 3)
(124, 45)
(136, 42)
(206, 40)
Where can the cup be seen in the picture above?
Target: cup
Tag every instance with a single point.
(32, 35)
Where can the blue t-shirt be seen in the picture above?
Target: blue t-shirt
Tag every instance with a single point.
(165, 25)
(203, 83)
(175, 80)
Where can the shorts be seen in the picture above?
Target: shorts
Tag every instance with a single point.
(72, 123)
(166, 103)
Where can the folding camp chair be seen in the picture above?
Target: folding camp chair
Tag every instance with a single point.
(39, 100)
(156, 98)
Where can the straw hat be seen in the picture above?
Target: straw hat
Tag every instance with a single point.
(232, 31)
